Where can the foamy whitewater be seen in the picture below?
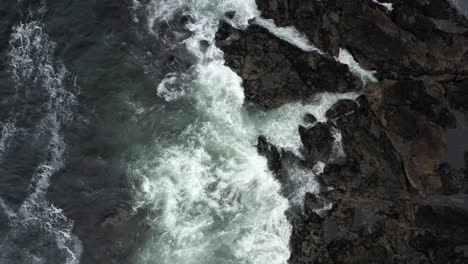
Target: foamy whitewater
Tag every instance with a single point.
(36, 221)
(212, 196)
(288, 34)
(388, 6)
(365, 75)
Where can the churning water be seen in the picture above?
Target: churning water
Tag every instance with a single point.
(213, 197)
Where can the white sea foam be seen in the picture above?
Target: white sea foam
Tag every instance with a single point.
(337, 151)
(388, 6)
(365, 75)
(213, 197)
(288, 34)
(8, 130)
(461, 6)
(171, 88)
(33, 67)
(281, 125)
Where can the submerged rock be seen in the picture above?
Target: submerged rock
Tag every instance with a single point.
(310, 118)
(230, 14)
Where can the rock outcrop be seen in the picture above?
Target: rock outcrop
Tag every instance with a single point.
(406, 42)
(398, 196)
(415, 115)
(275, 72)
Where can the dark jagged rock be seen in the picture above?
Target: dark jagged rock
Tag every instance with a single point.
(310, 118)
(414, 114)
(271, 153)
(225, 31)
(393, 200)
(230, 14)
(370, 200)
(317, 141)
(453, 181)
(276, 72)
(404, 42)
(444, 229)
(342, 107)
(374, 210)
(457, 94)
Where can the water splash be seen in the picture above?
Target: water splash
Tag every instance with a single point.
(388, 6)
(288, 34)
(365, 75)
(212, 196)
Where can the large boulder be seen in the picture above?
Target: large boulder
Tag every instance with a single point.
(415, 115)
(276, 72)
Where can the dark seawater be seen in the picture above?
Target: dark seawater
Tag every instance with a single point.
(100, 55)
(124, 138)
(69, 70)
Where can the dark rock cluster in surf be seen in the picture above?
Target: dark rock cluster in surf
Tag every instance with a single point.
(397, 196)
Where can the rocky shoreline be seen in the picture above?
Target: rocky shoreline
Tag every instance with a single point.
(401, 193)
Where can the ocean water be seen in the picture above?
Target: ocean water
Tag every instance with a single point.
(213, 197)
(155, 89)
(32, 147)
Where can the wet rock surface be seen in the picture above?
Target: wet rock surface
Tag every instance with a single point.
(317, 141)
(400, 193)
(403, 42)
(275, 72)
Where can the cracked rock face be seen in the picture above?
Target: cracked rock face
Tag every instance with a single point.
(400, 194)
(275, 72)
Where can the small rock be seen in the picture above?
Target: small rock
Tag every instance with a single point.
(342, 107)
(204, 44)
(310, 118)
(230, 14)
(271, 153)
(317, 141)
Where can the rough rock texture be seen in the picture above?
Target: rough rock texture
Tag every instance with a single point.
(276, 72)
(271, 152)
(415, 115)
(317, 141)
(401, 193)
(404, 42)
(376, 217)
(371, 200)
(341, 107)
